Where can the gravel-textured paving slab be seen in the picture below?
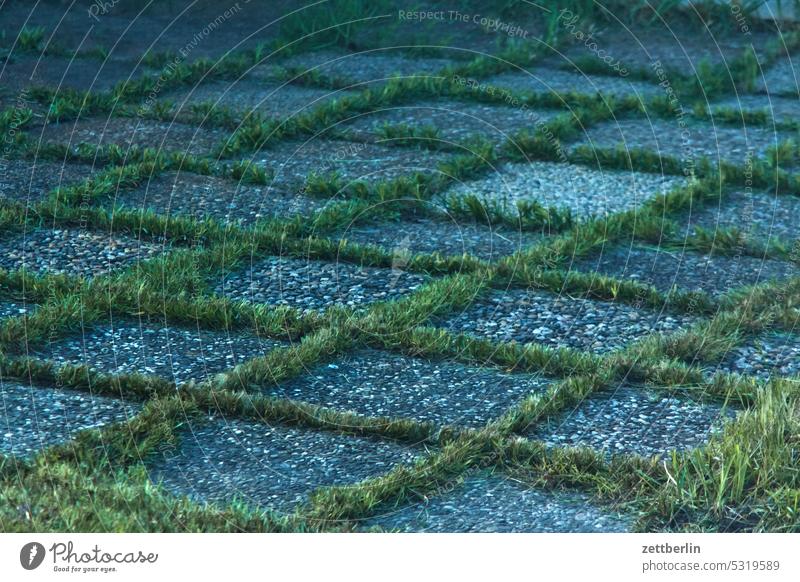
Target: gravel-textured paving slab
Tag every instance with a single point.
(772, 355)
(446, 236)
(124, 132)
(758, 215)
(497, 504)
(689, 143)
(72, 251)
(269, 466)
(682, 49)
(379, 384)
(191, 29)
(456, 121)
(367, 69)
(30, 182)
(24, 71)
(546, 80)
(248, 96)
(688, 271)
(176, 353)
(560, 321)
(783, 78)
(630, 420)
(35, 417)
(584, 191)
(14, 309)
(779, 109)
(316, 285)
(292, 162)
(198, 196)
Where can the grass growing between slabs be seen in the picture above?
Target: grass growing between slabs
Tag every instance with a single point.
(743, 479)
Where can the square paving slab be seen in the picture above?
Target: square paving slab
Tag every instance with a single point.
(584, 191)
(293, 162)
(546, 80)
(30, 182)
(249, 96)
(446, 236)
(178, 354)
(782, 79)
(35, 417)
(73, 252)
(316, 285)
(272, 467)
(560, 321)
(165, 137)
(686, 270)
(678, 48)
(368, 69)
(380, 384)
(631, 420)
(778, 109)
(194, 29)
(770, 355)
(24, 71)
(198, 196)
(758, 215)
(497, 504)
(689, 144)
(456, 121)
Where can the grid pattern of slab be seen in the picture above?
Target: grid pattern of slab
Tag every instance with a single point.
(365, 391)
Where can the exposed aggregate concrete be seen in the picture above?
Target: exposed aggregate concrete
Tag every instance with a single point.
(582, 190)
(73, 252)
(175, 353)
(560, 321)
(686, 270)
(316, 285)
(271, 467)
(35, 417)
(629, 420)
(379, 384)
(497, 504)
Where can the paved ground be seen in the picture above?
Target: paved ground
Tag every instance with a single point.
(560, 321)
(630, 420)
(435, 286)
(494, 504)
